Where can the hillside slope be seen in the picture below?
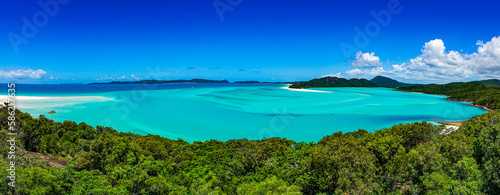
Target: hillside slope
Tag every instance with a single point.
(335, 82)
(388, 82)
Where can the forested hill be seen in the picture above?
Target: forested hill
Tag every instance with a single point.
(478, 93)
(412, 158)
(335, 82)
(388, 82)
(490, 82)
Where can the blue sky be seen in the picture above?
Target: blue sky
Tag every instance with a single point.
(88, 41)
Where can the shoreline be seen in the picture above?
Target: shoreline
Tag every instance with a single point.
(483, 107)
(304, 90)
(458, 124)
(450, 127)
(44, 98)
(453, 126)
(471, 104)
(418, 92)
(449, 99)
(48, 101)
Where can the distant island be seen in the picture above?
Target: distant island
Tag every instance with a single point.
(484, 93)
(164, 81)
(153, 81)
(378, 81)
(247, 82)
(259, 82)
(335, 82)
(388, 82)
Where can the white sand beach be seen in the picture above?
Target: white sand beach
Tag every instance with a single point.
(305, 90)
(449, 128)
(46, 101)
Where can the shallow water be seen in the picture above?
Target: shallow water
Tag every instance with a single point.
(198, 112)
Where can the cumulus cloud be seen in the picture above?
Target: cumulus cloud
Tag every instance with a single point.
(366, 60)
(107, 78)
(22, 74)
(133, 77)
(338, 75)
(487, 59)
(435, 64)
(366, 73)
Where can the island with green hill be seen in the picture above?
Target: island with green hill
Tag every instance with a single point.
(388, 82)
(334, 82)
(153, 81)
(485, 93)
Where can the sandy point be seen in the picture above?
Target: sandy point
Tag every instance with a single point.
(305, 90)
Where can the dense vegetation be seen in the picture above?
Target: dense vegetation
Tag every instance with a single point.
(490, 82)
(335, 82)
(388, 82)
(479, 93)
(413, 158)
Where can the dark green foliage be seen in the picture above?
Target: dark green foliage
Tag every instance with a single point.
(485, 131)
(490, 82)
(480, 94)
(411, 158)
(344, 166)
(270, 186)
(335, 82)
(388, 82)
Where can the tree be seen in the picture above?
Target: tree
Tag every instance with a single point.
(270, 186)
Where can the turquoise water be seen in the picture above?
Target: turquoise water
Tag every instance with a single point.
(199, 112)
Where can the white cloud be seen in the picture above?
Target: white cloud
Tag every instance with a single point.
(491, 48)
(487, 59)
(338, 75)
(22, 74)
(107, 78)
(133, 77)
(435, 64)
(366, 60)
(366, 73)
